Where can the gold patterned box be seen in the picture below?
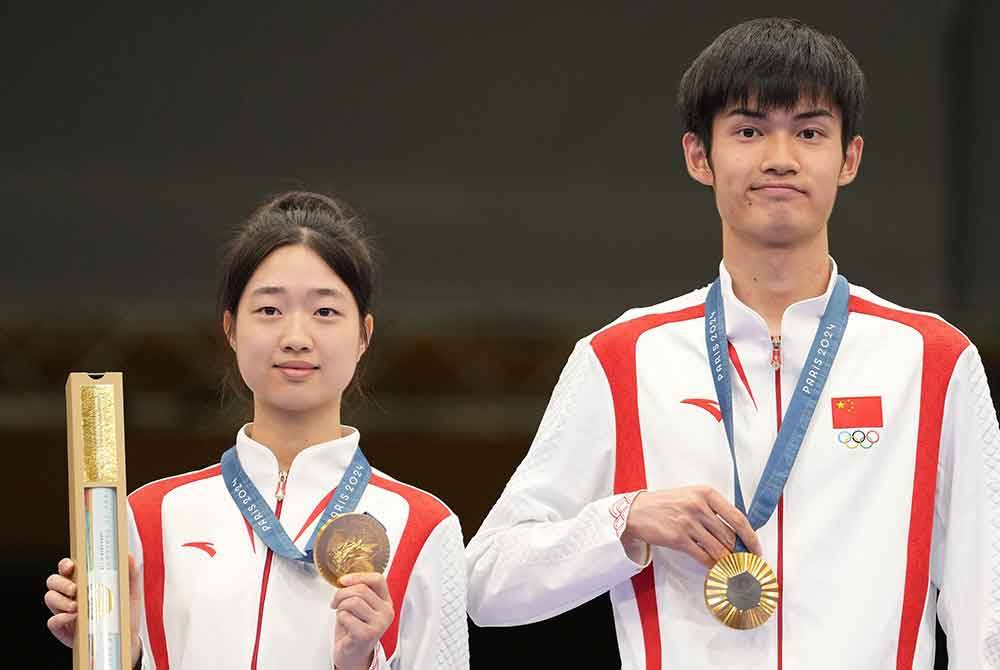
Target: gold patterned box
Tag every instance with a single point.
(98, 529)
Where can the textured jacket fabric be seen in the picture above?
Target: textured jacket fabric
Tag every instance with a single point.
(871, 539)
(216, 597)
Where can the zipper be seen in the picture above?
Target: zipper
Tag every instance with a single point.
(279, 495)
(776, 364)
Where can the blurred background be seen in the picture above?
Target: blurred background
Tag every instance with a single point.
(520, 167)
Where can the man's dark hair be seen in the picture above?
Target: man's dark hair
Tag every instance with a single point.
(774, 62)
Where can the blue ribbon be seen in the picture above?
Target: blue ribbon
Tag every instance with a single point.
(813, 378)
(261, 517)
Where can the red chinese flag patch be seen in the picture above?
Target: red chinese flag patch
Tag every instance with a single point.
(857, 412)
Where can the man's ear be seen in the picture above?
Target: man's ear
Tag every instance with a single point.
(852, 161)
(696, 158)
(228, 329)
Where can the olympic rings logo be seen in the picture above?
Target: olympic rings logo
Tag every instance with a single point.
(858, 438)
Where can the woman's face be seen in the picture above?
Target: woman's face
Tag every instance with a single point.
(297, 334)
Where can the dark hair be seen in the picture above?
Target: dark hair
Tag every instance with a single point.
(775, 61)
(324, 224)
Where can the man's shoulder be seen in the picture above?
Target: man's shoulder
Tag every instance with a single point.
(933, 328)
(636, 320)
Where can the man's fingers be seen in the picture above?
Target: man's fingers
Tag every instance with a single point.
(736, 520)
(721, 530)
(695, 551)
(66, 567)
(710, 544)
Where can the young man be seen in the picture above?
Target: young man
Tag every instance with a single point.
(882, 489)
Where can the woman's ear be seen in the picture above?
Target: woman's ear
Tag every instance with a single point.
(369, 328)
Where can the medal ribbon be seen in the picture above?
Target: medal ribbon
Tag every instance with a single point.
(261, 517)
(800, 410)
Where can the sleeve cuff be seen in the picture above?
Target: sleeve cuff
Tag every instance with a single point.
(638, 551)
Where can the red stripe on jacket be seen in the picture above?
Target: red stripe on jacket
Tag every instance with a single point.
(615, 349)
(943, 344)
(147, 508)
(426, 512)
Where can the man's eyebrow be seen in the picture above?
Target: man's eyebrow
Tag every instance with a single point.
(759, 114)
(746, 111)
(814, 113)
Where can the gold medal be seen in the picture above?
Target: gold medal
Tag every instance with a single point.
(350, 543)
(741, 590)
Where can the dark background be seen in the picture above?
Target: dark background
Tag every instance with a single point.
(520, 167)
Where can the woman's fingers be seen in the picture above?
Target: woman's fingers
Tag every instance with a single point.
(66, 567)
(63, 627)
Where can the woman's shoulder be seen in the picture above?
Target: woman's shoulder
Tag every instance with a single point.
(153, 493)
(424, 510)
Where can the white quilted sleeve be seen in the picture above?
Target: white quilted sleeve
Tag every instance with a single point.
(965, 558)
(433, 628)
(550, 543)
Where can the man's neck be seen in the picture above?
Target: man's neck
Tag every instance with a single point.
(768, 280)
(288, 433)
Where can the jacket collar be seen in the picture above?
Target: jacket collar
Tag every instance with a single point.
(317, 468)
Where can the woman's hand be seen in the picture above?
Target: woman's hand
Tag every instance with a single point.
(61, 601)
(364, 611)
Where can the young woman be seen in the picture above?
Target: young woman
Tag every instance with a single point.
(214, 585)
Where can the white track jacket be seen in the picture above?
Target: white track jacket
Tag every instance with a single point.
(216, 597)
(891, 514)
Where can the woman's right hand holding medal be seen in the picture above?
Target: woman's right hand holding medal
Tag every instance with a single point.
(363, 613)
(695, 520)
(61, 601)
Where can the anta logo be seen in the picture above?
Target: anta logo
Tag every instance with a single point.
(856, 420)
(207, 547)
(710, 406)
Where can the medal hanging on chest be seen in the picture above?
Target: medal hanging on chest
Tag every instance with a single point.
(342, 542)
(741, 589)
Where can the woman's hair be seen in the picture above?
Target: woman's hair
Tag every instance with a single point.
(326, 225)
(774, 62)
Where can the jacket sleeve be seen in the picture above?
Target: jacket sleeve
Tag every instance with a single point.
(433, 627)
(551, 542)
(965, 558)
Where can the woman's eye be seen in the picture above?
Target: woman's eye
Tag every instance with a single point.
(268, 311)
(326, 312)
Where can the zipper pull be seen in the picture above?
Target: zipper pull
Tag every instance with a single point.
(282, 478)
(776, 352)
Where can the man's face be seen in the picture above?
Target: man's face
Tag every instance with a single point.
(776, 173)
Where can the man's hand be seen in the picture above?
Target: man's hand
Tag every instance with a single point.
(696, 520)
(364, 611)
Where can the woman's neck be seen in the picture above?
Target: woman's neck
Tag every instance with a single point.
(288, 433)
(768, 280)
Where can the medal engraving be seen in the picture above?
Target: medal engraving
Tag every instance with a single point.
(350, 543)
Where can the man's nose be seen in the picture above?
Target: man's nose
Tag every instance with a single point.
(780, 156)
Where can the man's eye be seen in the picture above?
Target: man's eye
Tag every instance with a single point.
(810, 134)
(747, 132)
